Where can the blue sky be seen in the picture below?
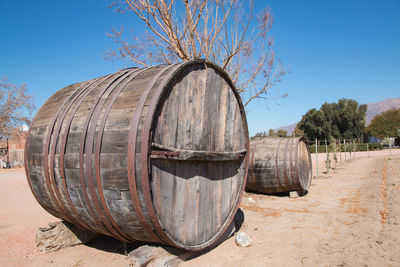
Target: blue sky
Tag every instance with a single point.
(335, 49)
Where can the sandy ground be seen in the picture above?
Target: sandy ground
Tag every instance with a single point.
(350, 217)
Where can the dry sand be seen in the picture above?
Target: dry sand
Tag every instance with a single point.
(350, 217)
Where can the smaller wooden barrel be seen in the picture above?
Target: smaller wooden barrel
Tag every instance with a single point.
(279, 165)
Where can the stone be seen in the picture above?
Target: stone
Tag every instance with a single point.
(293, 194)
(242, 239)
(60, 235)
(153, 256)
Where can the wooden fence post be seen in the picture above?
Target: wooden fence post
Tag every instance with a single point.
(316, 154)
(328, 160)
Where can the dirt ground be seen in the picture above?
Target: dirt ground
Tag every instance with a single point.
(350, 217)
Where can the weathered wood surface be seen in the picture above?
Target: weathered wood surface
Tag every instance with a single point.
(279, 165)
(180, 154)
(90, 159)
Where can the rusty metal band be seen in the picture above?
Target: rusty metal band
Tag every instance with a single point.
(87, 139)
(253, 176)
(27, 172)
(63, 147)
(276, 163)
(50, 183)
(132, 155)
(285, 172)
(302, 139)
(62, 156)
(145, 152)
(246, 161)
(56, 133)
(26, 162)
(309, 160)
(291, 162)
(122, 82)
(296, 162)
(98, 148)
(82, 168)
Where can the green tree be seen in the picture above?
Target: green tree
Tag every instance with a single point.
(342, 120)
(282, 133)
(271, 133)
(313, 124)
(386, 124)
(350, 119)
(259, 135)
(297, 132)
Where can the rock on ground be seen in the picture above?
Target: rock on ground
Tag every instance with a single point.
(154, 256)
(60, 235)
(242, 239)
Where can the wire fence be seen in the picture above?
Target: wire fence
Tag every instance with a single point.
(333, 153)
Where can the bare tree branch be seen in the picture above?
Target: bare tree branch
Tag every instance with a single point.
(221, 31)
(15, 106)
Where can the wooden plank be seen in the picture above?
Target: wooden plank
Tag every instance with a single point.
(114, 178)
(217, 191)
(72, 178)
(36, 145)
(227, 196)
(156, 175)
(167, 194)
(237, 178)
(181, 154)
(229, 128)
(81, 207)
(206, 202)
(196, 112)
(113, 160)
(178, 227)
(191, 200)
(223, 119)
(184, 90)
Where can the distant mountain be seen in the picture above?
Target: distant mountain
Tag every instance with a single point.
(381, 106)
(289, 128)
(373, 110)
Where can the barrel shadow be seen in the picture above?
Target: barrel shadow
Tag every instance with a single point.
(234, 227)
(209, 170)
(112, 245)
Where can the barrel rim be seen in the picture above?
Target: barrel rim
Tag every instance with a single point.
(145, 161)
(304, 188)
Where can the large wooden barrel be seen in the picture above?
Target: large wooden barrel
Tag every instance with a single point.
(155, 154)
(279, 165)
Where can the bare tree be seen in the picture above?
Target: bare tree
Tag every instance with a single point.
(15, 107)
(225, 32)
